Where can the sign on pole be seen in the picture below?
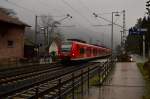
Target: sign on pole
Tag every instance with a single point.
(135, 31)
(140, 31)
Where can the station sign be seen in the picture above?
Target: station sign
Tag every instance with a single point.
(137, 31)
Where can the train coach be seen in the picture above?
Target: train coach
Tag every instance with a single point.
(77, 51)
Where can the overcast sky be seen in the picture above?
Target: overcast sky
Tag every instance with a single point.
(81, 11)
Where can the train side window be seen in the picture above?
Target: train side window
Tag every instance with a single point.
(99, 52)
(89, 50)
(94, 51)
(82, 51)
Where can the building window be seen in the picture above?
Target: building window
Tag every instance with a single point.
(10, 43)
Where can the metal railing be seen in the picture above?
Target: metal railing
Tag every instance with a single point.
(66, 84)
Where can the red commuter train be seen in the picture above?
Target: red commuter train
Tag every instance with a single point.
(74, 51)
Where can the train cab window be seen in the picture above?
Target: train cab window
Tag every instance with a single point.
(82, 51)
(66, 47)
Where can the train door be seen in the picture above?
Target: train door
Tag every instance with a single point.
(74, 51)
(81, 51)
(88, 52)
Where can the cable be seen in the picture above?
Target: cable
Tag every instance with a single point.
(46, 5)
(81, 2)
(100, 16)
(79, 14)
(107, 20)
(10, 2)
(87, 8)
(66, 3)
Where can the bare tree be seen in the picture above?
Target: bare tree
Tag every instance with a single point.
(9, 12)
(48, 28)
(46, 21)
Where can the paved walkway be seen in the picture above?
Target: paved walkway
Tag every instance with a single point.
(125, 83)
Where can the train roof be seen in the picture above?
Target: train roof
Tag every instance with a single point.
(94, 45)
(78, 40)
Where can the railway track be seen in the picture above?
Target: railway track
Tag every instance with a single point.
(14, 84)
(14, 71)
(26, 75)
(50, 87)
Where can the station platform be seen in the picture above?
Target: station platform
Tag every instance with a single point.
(126, 82)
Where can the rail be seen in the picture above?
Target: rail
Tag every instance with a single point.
(77, 80)
(61, 86)
(63, 82)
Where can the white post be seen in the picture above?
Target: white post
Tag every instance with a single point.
(144, 46)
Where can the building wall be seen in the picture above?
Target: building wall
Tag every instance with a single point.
(15, 34)
(53, 47)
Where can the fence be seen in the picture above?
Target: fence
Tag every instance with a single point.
(66, 84)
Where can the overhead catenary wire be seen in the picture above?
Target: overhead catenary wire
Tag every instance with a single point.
(105, 19)
(70, 6)
(87, 8)
(29, 10)
(17, 5)
(100, 14)
(66, 3)
(46, 5)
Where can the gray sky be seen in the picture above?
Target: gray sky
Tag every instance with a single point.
(81, 11)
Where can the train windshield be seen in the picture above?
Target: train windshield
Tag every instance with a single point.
(66, 47)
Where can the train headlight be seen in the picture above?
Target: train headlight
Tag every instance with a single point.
(73, 54)
(131, 59)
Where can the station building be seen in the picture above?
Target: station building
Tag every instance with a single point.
(11, 37)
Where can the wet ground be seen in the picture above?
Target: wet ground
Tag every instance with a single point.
(126, 82)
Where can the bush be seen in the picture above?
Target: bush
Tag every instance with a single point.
(146, 67)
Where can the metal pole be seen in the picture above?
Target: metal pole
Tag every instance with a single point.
(144, 46)
(99, 74)
(88, 79)
(82, 82)
(48, 36)
(35, 38)
(72, 85)
(35, 35)
(124, 30)
(52, 28)
(112, 29)
(37, 92)
(121, 37)
(59, 88)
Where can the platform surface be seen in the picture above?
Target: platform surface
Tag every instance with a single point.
(126, 82)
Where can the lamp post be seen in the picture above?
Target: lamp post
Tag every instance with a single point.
(112, 26)
(112, 29)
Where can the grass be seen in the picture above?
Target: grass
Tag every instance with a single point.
(94, 81)
(143, 71)
(146, 77)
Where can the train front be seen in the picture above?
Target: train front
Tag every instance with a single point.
(65, 51)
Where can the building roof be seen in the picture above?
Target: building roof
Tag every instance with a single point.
(11, 20)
